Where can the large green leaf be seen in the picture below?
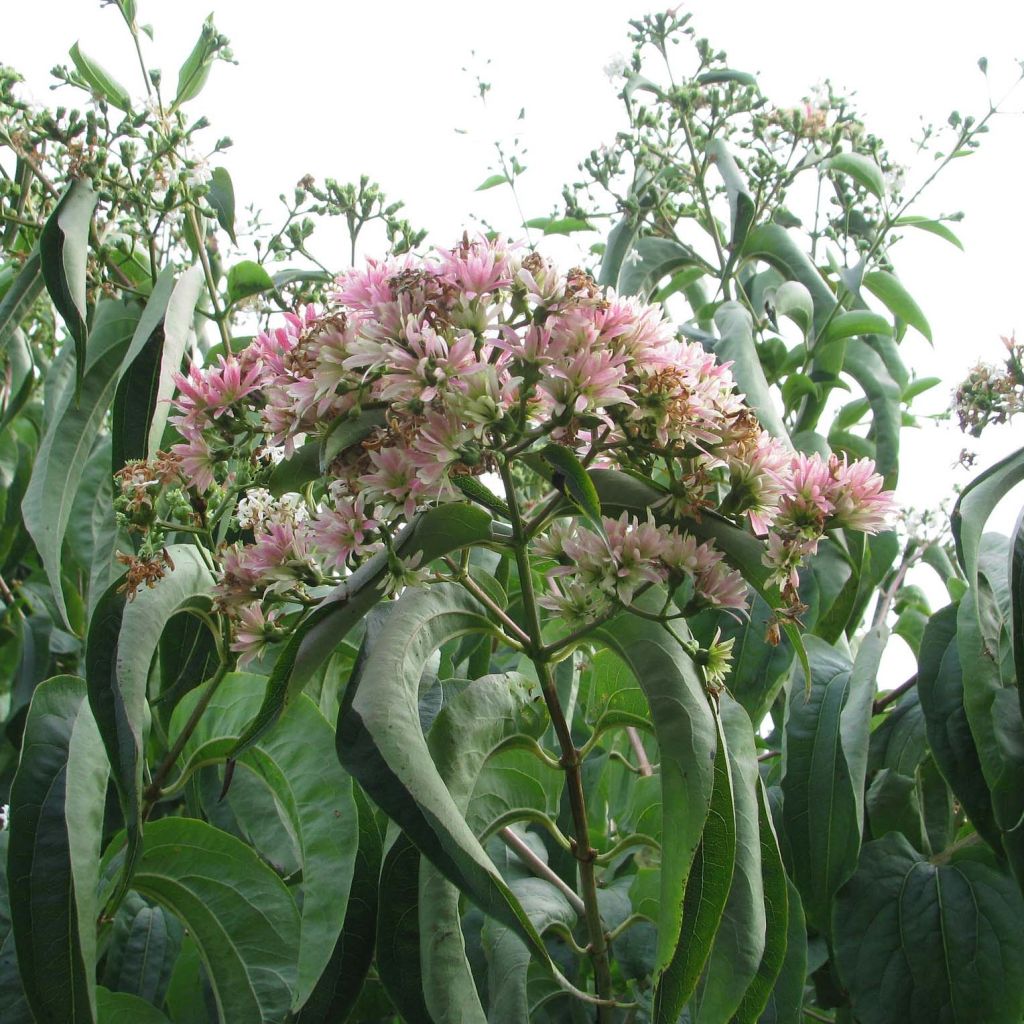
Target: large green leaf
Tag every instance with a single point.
(57, 802)
(940, 688)
(861, 168)
(787, 997)
(740, 941)
(434, 533)
(469, 730)
(19, 297)
(342, 979)
(100, 80)
(687, 738)
(125, 1008)
(144, 387)
(883, 395)
(918, 942)
(735, 326)
(297, 762)
(620, 241)
(975, 505)
(824, 762)
(508, 958)
(240, 914)
(69, 438)
(64, 251)
(12, 992)
(707, 891)
(123, 638)
(778, 913)
(380, 741)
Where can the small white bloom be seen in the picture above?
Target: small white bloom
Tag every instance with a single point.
(5, 816)
(616, 67)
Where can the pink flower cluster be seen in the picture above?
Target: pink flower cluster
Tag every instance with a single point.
(438, 366)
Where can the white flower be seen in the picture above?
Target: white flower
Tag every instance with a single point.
(5, 816)
(616, 67)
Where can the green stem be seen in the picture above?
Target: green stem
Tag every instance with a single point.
(211, 284)
(571, 762)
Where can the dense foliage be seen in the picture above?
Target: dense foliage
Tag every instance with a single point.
(465, 638)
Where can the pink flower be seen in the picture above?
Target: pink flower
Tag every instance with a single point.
(394, 483)
(254, 632)
(857, 496)
(197, 463)
(477, 268)
(343, 532)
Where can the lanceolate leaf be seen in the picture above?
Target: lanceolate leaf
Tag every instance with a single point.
(919, 942)
(19, 297)
(787, 997)
(240, 914)
(52, 866)
(741, 202)
(12, 992)
(297, 762)
(434, 533)
(125, 1008)
(575, 483)
(380, 741)
(100, 80)
(620, 241)
(940, 689)
(63, 250)
(143, 948)
(69, 439)
(123, 637)
(687, 738)
(935, 227)
(464, 735)
(897, 299)
(740, 941)
(861, 168)
(344, 433)
(975, 505)
(342, 979)
(737, 346)
(854, 323)
(777, 918)
(221, 197)
(883, 395)
(651, 260)
(144, 384)
(707, 890)
(825, 757)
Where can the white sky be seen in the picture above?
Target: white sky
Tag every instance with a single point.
(339, 89)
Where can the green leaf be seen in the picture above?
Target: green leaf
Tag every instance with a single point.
(559, 225)
(124, 1008)
(435, 533)
(940, 689)
(1016, 616)
(793, 300)
(707, 890)
(786, 1000)
(20, 375)
(883, 395)
(861, 168)
(144, 945)
(888, 289)
(194, 72)
(620, 242)
(221, 196)
(398, 931)
(20, 297)
(12, 992)
(687, 738)
(63, 251)
(492, 182)
(292, 474)
(934, 227)
(240, 914)
(342, 979)
(380, 742)
(825, 756)
(468, 731)
(975, 505)
(100, 80)
(144, 387)
(854, 323)
(651, 260)
(919, 942)
(247, 278)
(57, 802)
(778, 914)
(775, 246)
(739, 946)
(345, 432)
(296, 761)
(123, 638)
(741, 202)
(508, 958)
(572, 479)
(726, 76)
(69, 438)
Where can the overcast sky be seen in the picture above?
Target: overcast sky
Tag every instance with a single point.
(338, 89)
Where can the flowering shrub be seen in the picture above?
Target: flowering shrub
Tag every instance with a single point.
(458, 640)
